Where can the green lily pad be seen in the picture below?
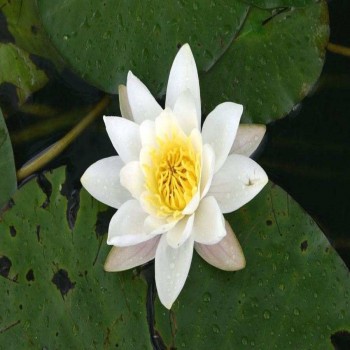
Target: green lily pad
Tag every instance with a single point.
(273, 63)
(24, 25)
(293, 293)
(17, 69)
(103, 40)
(8, 182)
(270, 4)
(55, 294)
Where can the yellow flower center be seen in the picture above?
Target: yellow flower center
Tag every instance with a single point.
(173, 177)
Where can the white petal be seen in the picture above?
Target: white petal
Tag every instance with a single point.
(124, 258)
(124, 105)
(238, 181)
(179, 234)
(156, 226)
(248, 138)
(192, 205)
(183, 75)
(171, 269)
(148, 134)
(165, 123)
(131, 177)
(126, 226)
(143, 104)
(208, 165)
(220, 128)
(186, 113)
(102, 181)
(226, 255)
(125, 137)
(209, 223)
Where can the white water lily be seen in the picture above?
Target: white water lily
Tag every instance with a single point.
(172, 181)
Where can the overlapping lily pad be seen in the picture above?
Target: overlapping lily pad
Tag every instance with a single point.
(54, 292)
(8, 181)
(273, 63)
(19, 71)
(25, 28)
(293, 293)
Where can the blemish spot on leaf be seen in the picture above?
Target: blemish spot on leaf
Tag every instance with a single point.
(268, 222)
(46, 187)
(13, 231)
(304, 245)
(38, 232)
(341, 340)
(5, 266)
(30, 275)
(73, 208)
(62, 282)
(34, 29)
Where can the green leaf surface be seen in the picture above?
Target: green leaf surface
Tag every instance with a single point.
(55, 294)
(103, 40)
(8, 181)
(293, 293)
(273, 63)
(270, 4)
(17, 69)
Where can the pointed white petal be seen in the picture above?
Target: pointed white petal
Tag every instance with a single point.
(131, 177)
(208, 165)
(125, 137)
(220, 128)
(179, 234)
(143, 105)
(124, 105)
(126, 225)
(171, 269)
(238, 181)
(186, 113)
(209, 223)
(102, 181)
(156, 226)
(248, 139)
(125, 258)
(183, 75)
(226, 255)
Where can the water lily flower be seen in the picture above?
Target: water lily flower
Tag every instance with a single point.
(172, 180)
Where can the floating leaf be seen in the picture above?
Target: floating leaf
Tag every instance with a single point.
(18, 71)
(54, 291)
(102, 41)
(8, 181)
(294, 291)
(25, 27)
(273, 63)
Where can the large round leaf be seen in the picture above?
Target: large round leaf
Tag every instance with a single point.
(103, 40)
(54, 292)
(8, 180)
(272, 64)
(293, 293)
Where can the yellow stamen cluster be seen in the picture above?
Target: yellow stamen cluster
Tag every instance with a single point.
(172, 178)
